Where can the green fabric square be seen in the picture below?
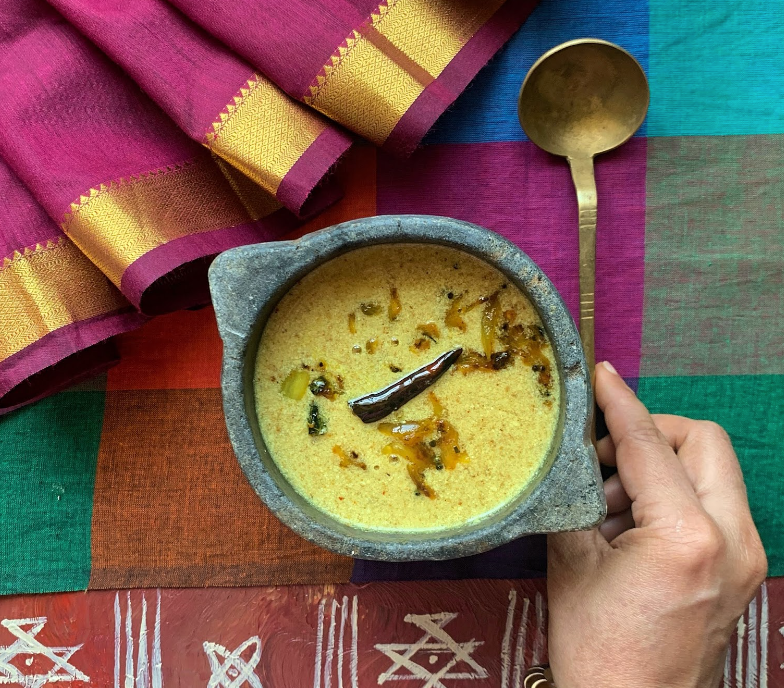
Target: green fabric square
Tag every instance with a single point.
(48, 456)
(714, 256)
(751, 410)
(715, 68)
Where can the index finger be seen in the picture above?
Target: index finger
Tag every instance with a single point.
(647, 465)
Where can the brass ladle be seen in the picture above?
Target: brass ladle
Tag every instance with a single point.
(580, 99)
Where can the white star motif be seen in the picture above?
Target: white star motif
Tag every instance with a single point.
(402, 654)
(25, 631)
(229, 670)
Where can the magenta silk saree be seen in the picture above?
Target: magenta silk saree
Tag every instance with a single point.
(139, 139)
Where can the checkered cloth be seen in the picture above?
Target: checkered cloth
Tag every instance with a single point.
(130, 481)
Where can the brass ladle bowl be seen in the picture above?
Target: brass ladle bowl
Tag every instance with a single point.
(580, 99)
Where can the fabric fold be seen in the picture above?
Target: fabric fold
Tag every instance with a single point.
(217, 98)
(57, 310)
(143, 202)
(385, 71)
(147, 137)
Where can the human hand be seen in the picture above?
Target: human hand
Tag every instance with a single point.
(651, 598)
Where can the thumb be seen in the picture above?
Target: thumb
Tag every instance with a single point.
(574, 556)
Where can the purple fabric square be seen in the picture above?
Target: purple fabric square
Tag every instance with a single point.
(524, 558)
(527, 196)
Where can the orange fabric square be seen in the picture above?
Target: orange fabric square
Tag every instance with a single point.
(177, 351)
(172, 507)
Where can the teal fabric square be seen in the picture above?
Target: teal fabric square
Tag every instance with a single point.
(751, 410)
(48, 458)
(716, 68)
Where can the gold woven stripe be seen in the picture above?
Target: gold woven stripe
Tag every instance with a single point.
(263, 132)
(117, 223)
(256, 200)
(46, 287)
(368, 87)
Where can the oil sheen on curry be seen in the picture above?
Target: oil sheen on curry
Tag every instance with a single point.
(407, 387)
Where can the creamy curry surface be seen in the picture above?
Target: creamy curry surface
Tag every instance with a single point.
(458, 451)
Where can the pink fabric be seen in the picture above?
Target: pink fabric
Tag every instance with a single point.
(70, 120)
(307, 187)
(196, 251)
(57, 361)
(22, 221)
(289, 41)
(186, 71)
(190, 75)
(439, 95)
(472, 181)
(50, 362)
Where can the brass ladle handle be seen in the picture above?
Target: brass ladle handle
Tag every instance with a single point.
(585, 185)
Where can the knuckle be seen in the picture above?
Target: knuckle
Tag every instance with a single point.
(706, 544)
(758, 565)
(645, 433)
(714, 431)
(759, 571)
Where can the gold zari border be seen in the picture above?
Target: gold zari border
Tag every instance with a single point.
(256, 200)
(375, 76)
(117, 223)
(263, 132)
(46, 287)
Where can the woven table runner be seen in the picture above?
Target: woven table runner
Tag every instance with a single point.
(129, 480)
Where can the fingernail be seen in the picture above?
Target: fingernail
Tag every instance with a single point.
(609, 367)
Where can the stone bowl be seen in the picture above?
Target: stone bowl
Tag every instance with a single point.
(246, 284)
